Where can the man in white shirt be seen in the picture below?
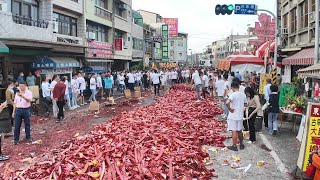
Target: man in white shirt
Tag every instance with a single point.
(46, 92)
(183, 72)
(266, 92)
(55, 80)
(205, 84)
(174, 76)
(67, 95)
(75, 91)
(99, 85)
(187, 75)
(139, 76)
(236, 103)
(130, 81)
(82, 86)
(227, 92)
(93, 87)
(121, 82)
(196, 80)
(168, 77)
(155, 78)
(219, 87)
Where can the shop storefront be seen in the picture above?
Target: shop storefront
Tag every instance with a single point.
(292, 64)
(4, 50)
(46, 67)
(99, 57)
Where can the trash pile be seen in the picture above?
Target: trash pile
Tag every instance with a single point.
(160, 141)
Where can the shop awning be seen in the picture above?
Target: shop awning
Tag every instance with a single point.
(55, 62)
(136, 60)
(3, 48)
(99, 60)
(264, 48)
(290, 49)
(303, 57)
(311, 71)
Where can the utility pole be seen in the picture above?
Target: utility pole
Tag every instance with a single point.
(275, 36)
(316, 45)
(113, 28)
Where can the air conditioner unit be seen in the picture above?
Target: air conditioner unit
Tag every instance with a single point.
(92, 35)
(312, 17)
(123, 6)
(55, 26)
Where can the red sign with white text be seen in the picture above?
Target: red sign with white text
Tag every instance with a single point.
(99, 45)
(173, 25)
(99, 50)
(118, 44)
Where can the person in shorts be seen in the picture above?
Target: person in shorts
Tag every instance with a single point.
(236, 103)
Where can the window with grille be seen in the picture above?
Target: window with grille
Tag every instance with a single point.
(100, 30)
(304, 14)
(66, 25)
(293, 26)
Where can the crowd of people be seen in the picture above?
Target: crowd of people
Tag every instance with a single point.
(236, 94)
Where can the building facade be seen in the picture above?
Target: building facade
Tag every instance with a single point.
(178, 47)
(152, 34)
(137, 38)
(297, 35)
(42, 36)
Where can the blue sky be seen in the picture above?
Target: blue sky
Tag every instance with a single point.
(198, 19)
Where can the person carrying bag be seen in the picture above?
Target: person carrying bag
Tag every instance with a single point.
(251, 113)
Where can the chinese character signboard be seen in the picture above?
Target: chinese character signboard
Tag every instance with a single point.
(263, 82)
(118, 42)
(313, 134)
(165, 47)
(173, 25)
(99, 50)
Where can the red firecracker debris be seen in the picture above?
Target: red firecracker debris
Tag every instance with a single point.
(160, 141)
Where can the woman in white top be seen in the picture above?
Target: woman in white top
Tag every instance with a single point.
(251, 113)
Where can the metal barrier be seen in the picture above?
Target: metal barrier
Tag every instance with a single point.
(29, 21)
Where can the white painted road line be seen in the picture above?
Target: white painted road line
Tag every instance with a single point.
(284, 171)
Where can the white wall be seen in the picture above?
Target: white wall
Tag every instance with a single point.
(12, 30)
(71, 5)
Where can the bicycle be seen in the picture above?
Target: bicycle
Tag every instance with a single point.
(40, 109)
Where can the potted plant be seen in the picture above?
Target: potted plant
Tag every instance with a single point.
(300, 104)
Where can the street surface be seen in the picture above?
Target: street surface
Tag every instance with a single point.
(279, 152)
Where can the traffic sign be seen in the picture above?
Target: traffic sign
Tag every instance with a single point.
(246, 9)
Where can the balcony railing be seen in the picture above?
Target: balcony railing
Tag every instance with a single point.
(29, 21)
(103, 13)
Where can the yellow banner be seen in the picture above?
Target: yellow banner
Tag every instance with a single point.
(263, 82)
(313, 134)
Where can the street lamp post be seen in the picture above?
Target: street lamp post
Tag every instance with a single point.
(275, 38)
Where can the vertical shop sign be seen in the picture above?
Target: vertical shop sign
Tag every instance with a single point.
(313, 133)
(165, 47)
